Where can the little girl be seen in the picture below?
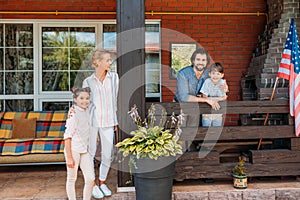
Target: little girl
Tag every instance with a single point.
(76, 138)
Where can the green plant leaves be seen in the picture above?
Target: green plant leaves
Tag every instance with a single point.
(150, 140)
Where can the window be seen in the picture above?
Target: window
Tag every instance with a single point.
(63, 50)
(152, 60)
(41, 61)
(16, 67)
(152, 57)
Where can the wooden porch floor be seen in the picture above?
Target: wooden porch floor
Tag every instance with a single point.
(47, 182)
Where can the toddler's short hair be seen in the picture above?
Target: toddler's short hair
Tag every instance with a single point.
(217, 67)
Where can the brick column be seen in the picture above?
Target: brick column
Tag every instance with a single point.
(267, 56)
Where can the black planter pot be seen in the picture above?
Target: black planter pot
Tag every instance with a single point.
(153, 179)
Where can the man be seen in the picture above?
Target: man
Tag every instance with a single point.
(191, 78)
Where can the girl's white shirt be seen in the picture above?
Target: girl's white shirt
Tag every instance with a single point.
(78, 129)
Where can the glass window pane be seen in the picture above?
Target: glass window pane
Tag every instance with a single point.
(1, 59)
(1, 35)
(82, 37)
(152, 61)
(78, 77)
(152, 44)
(25, 58)
(56, 81)
(152, 82)
(109, 28)
(63, 59)
(54, 106)
(19, 105)
(1, 51)
(109, 41)
(152, 38)
(55, 59)
(19, 58)
(109, 37)
(11, 58)
(1, 83)
(55, 37)
(19, 83)
(152, 27)
(18, 35)
(1, 105)
(80, 58)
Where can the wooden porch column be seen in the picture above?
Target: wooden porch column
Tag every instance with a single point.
(131, 67)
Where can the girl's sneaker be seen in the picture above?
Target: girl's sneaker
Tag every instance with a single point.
(105, 190)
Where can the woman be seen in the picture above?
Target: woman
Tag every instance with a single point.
(104, 90)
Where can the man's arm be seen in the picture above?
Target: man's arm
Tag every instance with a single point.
(182, 94)
(213, 102)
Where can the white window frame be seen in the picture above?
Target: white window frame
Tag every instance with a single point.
(40, 96)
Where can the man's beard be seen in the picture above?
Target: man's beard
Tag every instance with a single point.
(200, 70)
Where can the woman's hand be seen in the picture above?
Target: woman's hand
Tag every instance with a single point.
(71, 111)
(70, 162)
(115, 128)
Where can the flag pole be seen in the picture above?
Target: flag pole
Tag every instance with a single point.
(267, 116)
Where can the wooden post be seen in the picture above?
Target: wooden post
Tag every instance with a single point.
(131, 67)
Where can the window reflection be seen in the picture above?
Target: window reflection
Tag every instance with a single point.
(84, 36)
(1, 83)
(54, 106)
(56, 81)
(16, 64)
(19, 83)
(1, 105)
(19, 58)
(1, 34)
(19, 105)
(152, 54)
(18, 35)
(65, 51)
(1, 59)
(55, 37)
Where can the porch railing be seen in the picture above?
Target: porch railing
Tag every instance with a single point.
(212, 152)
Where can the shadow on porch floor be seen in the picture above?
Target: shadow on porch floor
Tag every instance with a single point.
(48, 182)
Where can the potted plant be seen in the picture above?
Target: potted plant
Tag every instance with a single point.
(152, 152)
(239, 174)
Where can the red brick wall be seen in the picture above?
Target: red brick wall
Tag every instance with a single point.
(229, 39)
(60, 6)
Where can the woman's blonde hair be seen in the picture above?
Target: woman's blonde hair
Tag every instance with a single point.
(98, 55)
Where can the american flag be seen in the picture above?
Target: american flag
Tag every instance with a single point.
(289, 69)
